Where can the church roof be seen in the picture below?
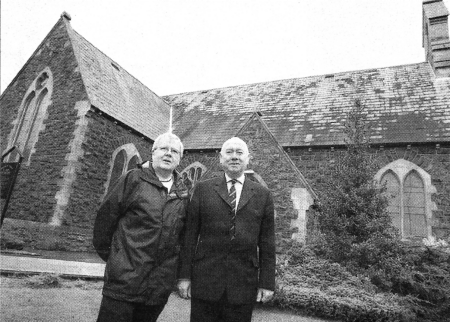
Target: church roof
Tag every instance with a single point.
(403, 104)
(114, 91)
(435, 9)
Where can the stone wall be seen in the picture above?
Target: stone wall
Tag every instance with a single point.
(209, 158)
(316, 163)
(271, 162)
(37, 183)
(30, 235)
(68, 169)
(102, 138)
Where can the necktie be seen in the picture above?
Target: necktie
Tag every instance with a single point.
(232, 194)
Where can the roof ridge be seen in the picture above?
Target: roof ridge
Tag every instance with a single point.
(296, 78)
(301, 177)
(76, 51)
(115, 91)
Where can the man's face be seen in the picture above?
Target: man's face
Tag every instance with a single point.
(167, 155)
(234, 157)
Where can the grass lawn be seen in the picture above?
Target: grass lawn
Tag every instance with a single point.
(47, 298)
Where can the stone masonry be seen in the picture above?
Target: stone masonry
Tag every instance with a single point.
(315, 163)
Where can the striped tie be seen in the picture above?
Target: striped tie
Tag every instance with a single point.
(232, 195)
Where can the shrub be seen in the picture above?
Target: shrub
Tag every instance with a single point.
(306, 283)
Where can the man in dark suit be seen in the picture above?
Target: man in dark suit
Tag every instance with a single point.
(228, 257)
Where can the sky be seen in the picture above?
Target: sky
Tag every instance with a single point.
(176, 46)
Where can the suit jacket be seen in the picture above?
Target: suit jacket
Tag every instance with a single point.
(211, 260)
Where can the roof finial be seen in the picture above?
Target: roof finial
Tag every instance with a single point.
(66, 15)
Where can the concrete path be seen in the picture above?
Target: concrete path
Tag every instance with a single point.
(18, 264)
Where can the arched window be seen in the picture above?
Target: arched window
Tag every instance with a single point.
(123, 159)
(192, 173)
(133, 162)
(409, 191)
(22, 127)
(414, 222)
(32, 113)
(117, 169)
(36, 122)
(393, 190)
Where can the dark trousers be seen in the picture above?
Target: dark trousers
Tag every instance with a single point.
(112, 310)
(220, 311)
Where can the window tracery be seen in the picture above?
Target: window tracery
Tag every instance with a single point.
(124, 158)
(192, 173)
(409, 191)
(32, 113)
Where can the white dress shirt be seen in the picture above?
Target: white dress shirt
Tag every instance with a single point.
(238, 186)
(168, 184)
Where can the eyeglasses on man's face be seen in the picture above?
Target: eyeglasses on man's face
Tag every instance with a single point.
(165, 150)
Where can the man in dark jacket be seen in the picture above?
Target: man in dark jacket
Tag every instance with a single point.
(137, 232)
(228, 257)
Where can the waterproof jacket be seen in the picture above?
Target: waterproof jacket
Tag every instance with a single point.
(137, 232)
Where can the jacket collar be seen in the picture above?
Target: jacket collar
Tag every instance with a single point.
(178, 188)
(248, 191)
(241, 179)
(149, 175)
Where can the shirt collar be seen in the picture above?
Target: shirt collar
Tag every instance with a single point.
(238, 179)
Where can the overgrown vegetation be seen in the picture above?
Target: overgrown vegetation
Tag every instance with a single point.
(355, 267)
(45, 280)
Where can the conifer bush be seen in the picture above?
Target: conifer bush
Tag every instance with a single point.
(353, 215)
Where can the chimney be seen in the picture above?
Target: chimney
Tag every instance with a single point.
(435, 38)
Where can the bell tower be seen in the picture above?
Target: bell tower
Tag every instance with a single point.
(435, 36)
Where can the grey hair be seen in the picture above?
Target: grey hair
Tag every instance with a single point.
(168, 135)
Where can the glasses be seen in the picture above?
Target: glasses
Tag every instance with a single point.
(171, 150)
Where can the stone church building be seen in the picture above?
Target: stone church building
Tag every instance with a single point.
(80, 120)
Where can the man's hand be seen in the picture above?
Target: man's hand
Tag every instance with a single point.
(184, 289)
(264, 295)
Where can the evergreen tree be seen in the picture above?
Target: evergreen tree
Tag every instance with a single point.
(353, 216)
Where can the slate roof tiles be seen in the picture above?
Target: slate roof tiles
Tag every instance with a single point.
(403, 104)
(114, 91)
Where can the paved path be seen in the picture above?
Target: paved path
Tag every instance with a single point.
(42, 265)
